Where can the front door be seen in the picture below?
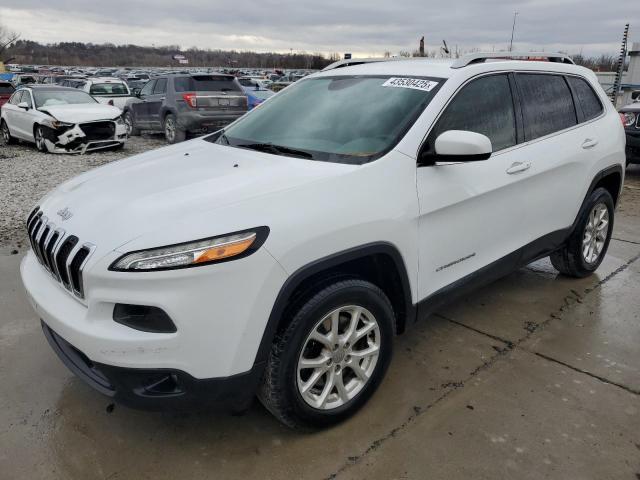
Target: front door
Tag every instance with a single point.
(471, 212)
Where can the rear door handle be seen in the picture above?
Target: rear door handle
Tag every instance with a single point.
(589, 143)
(517, 167)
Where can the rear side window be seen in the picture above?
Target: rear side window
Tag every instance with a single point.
(547, 105)
(587, 99)
(207, 83)
(161, 86)
(483, 106)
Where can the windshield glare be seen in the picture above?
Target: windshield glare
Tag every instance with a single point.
(61, 97)
(341, 119)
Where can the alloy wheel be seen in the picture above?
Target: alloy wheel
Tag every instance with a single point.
(6, 135)
(169, 129)
(128, 123)
(338, 357)
(40, 144)
(595, 233)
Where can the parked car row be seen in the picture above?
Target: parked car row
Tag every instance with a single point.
(630, 116)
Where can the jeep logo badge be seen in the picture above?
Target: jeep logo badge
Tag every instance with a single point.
(65, 213)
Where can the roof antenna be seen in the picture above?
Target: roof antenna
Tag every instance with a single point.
(444, 48)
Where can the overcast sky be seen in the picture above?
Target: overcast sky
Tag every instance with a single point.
(362, 27)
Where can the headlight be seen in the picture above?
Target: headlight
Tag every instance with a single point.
(120, 120)
(53, 123)
(193, 254)
(628, 118)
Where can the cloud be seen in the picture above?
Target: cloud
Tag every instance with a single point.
(361, 27)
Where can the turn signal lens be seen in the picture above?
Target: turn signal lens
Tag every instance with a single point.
(193, 253)
(225, 251)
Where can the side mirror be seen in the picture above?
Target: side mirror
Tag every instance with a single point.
(136, 92)
(459, 146)
(23, 105)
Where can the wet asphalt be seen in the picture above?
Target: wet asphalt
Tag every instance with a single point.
(535, 376)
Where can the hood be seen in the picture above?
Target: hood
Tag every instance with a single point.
(82, 112)
(166, 187)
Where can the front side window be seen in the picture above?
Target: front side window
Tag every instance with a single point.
(148, 88)
(587, 99)
(161, 86)
(26, 98)
(547, 105)
(346, 119)
(483, 106)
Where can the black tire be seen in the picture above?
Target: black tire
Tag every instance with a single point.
(132, 131)
(5, 134)
(279, 391)
(570, 260)
(172, 133)
(39, 139)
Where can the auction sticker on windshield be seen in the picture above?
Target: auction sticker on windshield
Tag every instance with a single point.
(415, 83)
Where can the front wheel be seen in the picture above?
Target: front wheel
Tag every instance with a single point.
(39, 139)
(331, 357)
(132, 131)
(586, 247)
(171, 131)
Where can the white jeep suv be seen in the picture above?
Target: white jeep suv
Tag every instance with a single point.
(280, 256)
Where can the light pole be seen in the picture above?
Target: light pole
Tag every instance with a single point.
(513, 29)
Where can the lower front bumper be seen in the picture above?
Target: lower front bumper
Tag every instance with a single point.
(158, 389)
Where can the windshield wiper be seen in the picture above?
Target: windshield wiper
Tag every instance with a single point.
(276, 149)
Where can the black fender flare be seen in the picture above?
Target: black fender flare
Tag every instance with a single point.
(324, 264)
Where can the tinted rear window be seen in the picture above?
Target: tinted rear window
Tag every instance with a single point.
(108, 89)
(6, 88)
(547, 104)
(207, 83)
(587, 99)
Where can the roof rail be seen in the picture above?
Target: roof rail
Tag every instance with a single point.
(472, 58)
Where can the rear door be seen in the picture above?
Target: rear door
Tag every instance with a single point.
(471, 212)
(154, 103)
(559, 151)
(10, 111)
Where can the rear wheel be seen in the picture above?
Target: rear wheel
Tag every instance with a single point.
(39, 138)
(586, 247)
(171, 131)
(5, 134)
(332, 356)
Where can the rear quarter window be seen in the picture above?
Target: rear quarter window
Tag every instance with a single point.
(587, 99)
(547, 104)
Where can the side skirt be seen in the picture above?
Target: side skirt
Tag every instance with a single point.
(533, 251)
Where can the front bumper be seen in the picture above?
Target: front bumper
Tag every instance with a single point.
(157, 389)
(77, 140)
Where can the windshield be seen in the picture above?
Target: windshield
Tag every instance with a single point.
(340, 119)
(108, 89)
(60, 97)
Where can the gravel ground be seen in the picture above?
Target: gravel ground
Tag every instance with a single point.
(26, 175)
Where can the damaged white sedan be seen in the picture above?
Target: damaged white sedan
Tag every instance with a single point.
(61, 120)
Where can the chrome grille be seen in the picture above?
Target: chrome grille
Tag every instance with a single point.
(62, 255)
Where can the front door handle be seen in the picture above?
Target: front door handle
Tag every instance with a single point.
(589, 143)
(517, 167)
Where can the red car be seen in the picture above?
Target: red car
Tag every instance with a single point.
(6, 90)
